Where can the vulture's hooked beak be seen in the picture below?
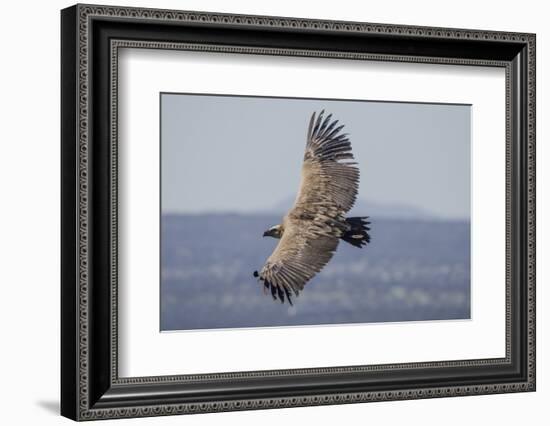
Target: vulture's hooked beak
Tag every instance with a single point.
(274, 231)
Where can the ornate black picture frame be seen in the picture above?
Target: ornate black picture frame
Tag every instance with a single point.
(90, 385)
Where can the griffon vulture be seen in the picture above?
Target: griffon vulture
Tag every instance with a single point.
(311, 230)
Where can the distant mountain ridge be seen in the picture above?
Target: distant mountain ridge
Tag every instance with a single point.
(375, 210)
(365, 208)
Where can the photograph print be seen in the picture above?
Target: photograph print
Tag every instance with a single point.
(305, 212)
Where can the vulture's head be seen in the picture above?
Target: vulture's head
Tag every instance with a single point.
(275, 231)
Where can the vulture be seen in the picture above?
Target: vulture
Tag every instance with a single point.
(311, 230)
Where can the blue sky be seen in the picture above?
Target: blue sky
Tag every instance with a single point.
(244, 154)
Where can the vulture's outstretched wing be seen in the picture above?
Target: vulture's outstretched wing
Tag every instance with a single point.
(312, 228)
(329, 179)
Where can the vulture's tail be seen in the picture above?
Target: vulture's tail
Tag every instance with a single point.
(357, 235)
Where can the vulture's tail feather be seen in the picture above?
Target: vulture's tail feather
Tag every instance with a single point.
(358, 235)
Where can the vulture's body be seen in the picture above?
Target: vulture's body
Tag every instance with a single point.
(310, 232)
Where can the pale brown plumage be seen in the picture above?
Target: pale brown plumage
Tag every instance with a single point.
(312, 228)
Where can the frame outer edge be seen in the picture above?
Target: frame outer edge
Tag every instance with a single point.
(531, 206)
(81, 318)
(69, 189)
(83, 206)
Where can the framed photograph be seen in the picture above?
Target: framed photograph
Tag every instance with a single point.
(263, 212)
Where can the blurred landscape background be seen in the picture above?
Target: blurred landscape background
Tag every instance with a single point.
(415, 268)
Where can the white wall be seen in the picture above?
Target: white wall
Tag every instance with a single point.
(29, 225)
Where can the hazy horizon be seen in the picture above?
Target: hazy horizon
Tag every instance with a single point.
(362, 207)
